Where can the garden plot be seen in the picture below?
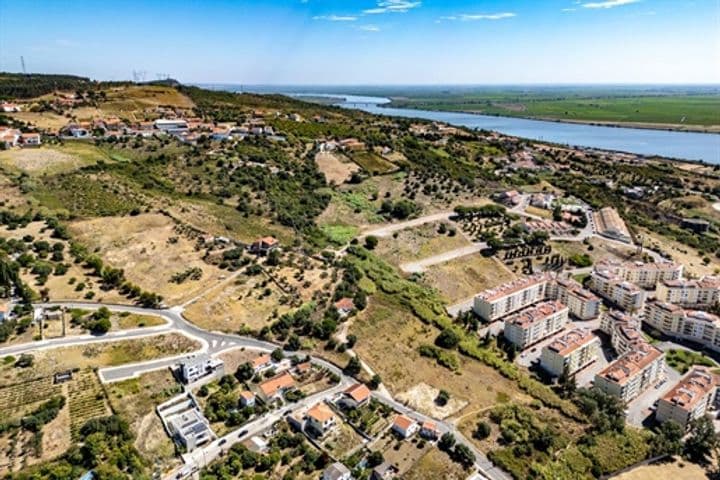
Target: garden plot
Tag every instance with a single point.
(86, 400)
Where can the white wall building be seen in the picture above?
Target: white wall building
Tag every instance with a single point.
(622, 293)
(581, 303)
(690, 293)
(570, 352)
(632, 373)
(694, 325)
(495, 303)
(691, 398)
(535, 323)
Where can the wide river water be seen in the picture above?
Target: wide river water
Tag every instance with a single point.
(678, 145)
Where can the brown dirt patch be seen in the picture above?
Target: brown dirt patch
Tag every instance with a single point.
(463, 277)
(422, 397)
(677, 470)
(150, 251)
(336, 169)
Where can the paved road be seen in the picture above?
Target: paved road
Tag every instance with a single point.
(421, 265)
(486, 467)
(388, 230)
(213, 343)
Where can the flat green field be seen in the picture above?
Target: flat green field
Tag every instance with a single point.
(679, 109)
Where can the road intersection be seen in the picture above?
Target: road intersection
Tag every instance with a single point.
(213, 343)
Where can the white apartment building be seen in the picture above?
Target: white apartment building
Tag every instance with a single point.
(624, 294)
(581, 303)
(198, 367)
(694, 325)
(690, 293)
(495, 303)
(691, 398)
(624, 330)
(570, 352)
(644, 275)
(535, 323)
(632, 373)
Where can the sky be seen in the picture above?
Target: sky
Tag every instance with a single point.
(368, 42)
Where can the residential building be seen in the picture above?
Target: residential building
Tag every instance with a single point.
(632, 373)
(404, 426)
(384, 471)
(694, 325)
(697, 225)
(510, 198)
(642, 274)
(345, 306)
(355, 396)
(321, 419)
(263, 246)
(184, 422)
(581, 303)
(691, 398)
(198, 367)
(170, 124)
(497, 302)
(262, 362)
(9, 107)
(273, 388)
(570, 352)
(352, 144)
(9, 137)
(30, 139)
(535, 323)
(609, 224)
(247, 399)
(624, 330)
(191, 429)
(701, 293)
(429, 430)
(337, 471)
(623, 294)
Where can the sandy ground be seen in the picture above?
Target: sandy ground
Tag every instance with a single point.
(677, 470)
(334, 168)
(150, 251)
(435, 464)
(422, 397)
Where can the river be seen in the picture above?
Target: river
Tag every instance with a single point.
(677, 145)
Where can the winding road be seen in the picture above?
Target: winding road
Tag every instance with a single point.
(212, 343)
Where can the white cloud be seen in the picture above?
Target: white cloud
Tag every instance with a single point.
(468, 17)
(392, 6)
(609, 3)
(569, 10)
(369, 28)
(336, 18)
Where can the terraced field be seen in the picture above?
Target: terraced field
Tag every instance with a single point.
(86, 400)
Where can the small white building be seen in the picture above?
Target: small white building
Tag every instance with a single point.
(201, 366)
(404, 426)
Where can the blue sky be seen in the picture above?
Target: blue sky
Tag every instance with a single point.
(368, 41)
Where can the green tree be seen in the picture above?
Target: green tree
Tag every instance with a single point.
(371, 242)
(702, 440)
(668, 440)
(447, 442)
(448, 338)
(353, 366)
(482, 431)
